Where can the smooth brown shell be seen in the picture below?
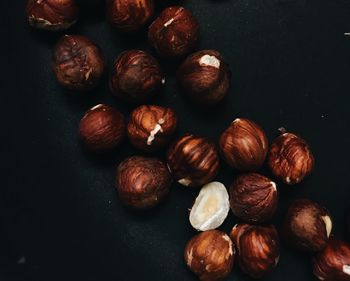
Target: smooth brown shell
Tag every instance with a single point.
(174, 33)
(136, 76)
(52, 14)
(333, 263)
(210, 255)
(205, 77)
(257, 248)
(253, 198)
(151, 127)
(142, 182)
(77, 62)
(193, 160)
(102, 128)
(244, 145)
(290, 158)
(304, 227)
(129, 15)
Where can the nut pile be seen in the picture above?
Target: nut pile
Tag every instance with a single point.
(143, 182)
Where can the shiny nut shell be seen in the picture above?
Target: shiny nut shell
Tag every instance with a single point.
(257, 248)
(151, 127)
(205, 77)
(142, 182)
(244, 145)
(210, 255)
(193, 160)
(174, 33)
(290, 158)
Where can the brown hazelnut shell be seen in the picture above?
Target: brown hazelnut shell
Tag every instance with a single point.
(129, 15)
(307, 226)
(244, 145)
(290, 158)
(174, 33)
(77, 62)
(151, 127)
(52, 14)
(136, 76)
(102, 128)
(333, 262)
(257, 248)
(142, 182)
(193, 160)
(253, 198)
(205, 77)
(210, 255)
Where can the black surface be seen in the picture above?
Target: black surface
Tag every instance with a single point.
(58, 207)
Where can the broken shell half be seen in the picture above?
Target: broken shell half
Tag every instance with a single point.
(211, 207)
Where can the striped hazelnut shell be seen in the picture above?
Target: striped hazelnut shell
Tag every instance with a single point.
(136, 76)
(193, 160)
(151, 127)
(142, 182)
(205, 77)
(129, 15)
(244, 145)
(52, 14)
(174, 33)
(78, 63)
(102, 128)
(290, 158)
(210, 255)
(253, 198)
(257, 248)
(307, 226)
(333, 262)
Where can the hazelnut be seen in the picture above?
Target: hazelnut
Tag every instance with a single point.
(290, 158)
(253, 198)
(102, 128)
(307, 226)
(211, 207)
(174, 33)
(52, 14)
(244, 145)
(210, 255)
(142, 182)
(193, 160)
(129, 15)
(151, 127)
(257, 248)
(205, 77)
(136, 76)
(78, 63)
(333, 262)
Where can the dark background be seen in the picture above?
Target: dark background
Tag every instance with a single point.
(58, 207)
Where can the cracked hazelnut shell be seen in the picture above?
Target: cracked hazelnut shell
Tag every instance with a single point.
(77, 62)
(290, 158)
(142, 182)
(257, 248)
(136, 76)
(205, 77)
(244, 145)
(174, 33)
(253, 198)
(307, 226)
(193, 160)
(151, 127)
(129, 15)
(52, 14)
(210, 255)
(333, 262)
(102, 128)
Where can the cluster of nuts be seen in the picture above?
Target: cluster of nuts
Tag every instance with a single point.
(142, 182)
